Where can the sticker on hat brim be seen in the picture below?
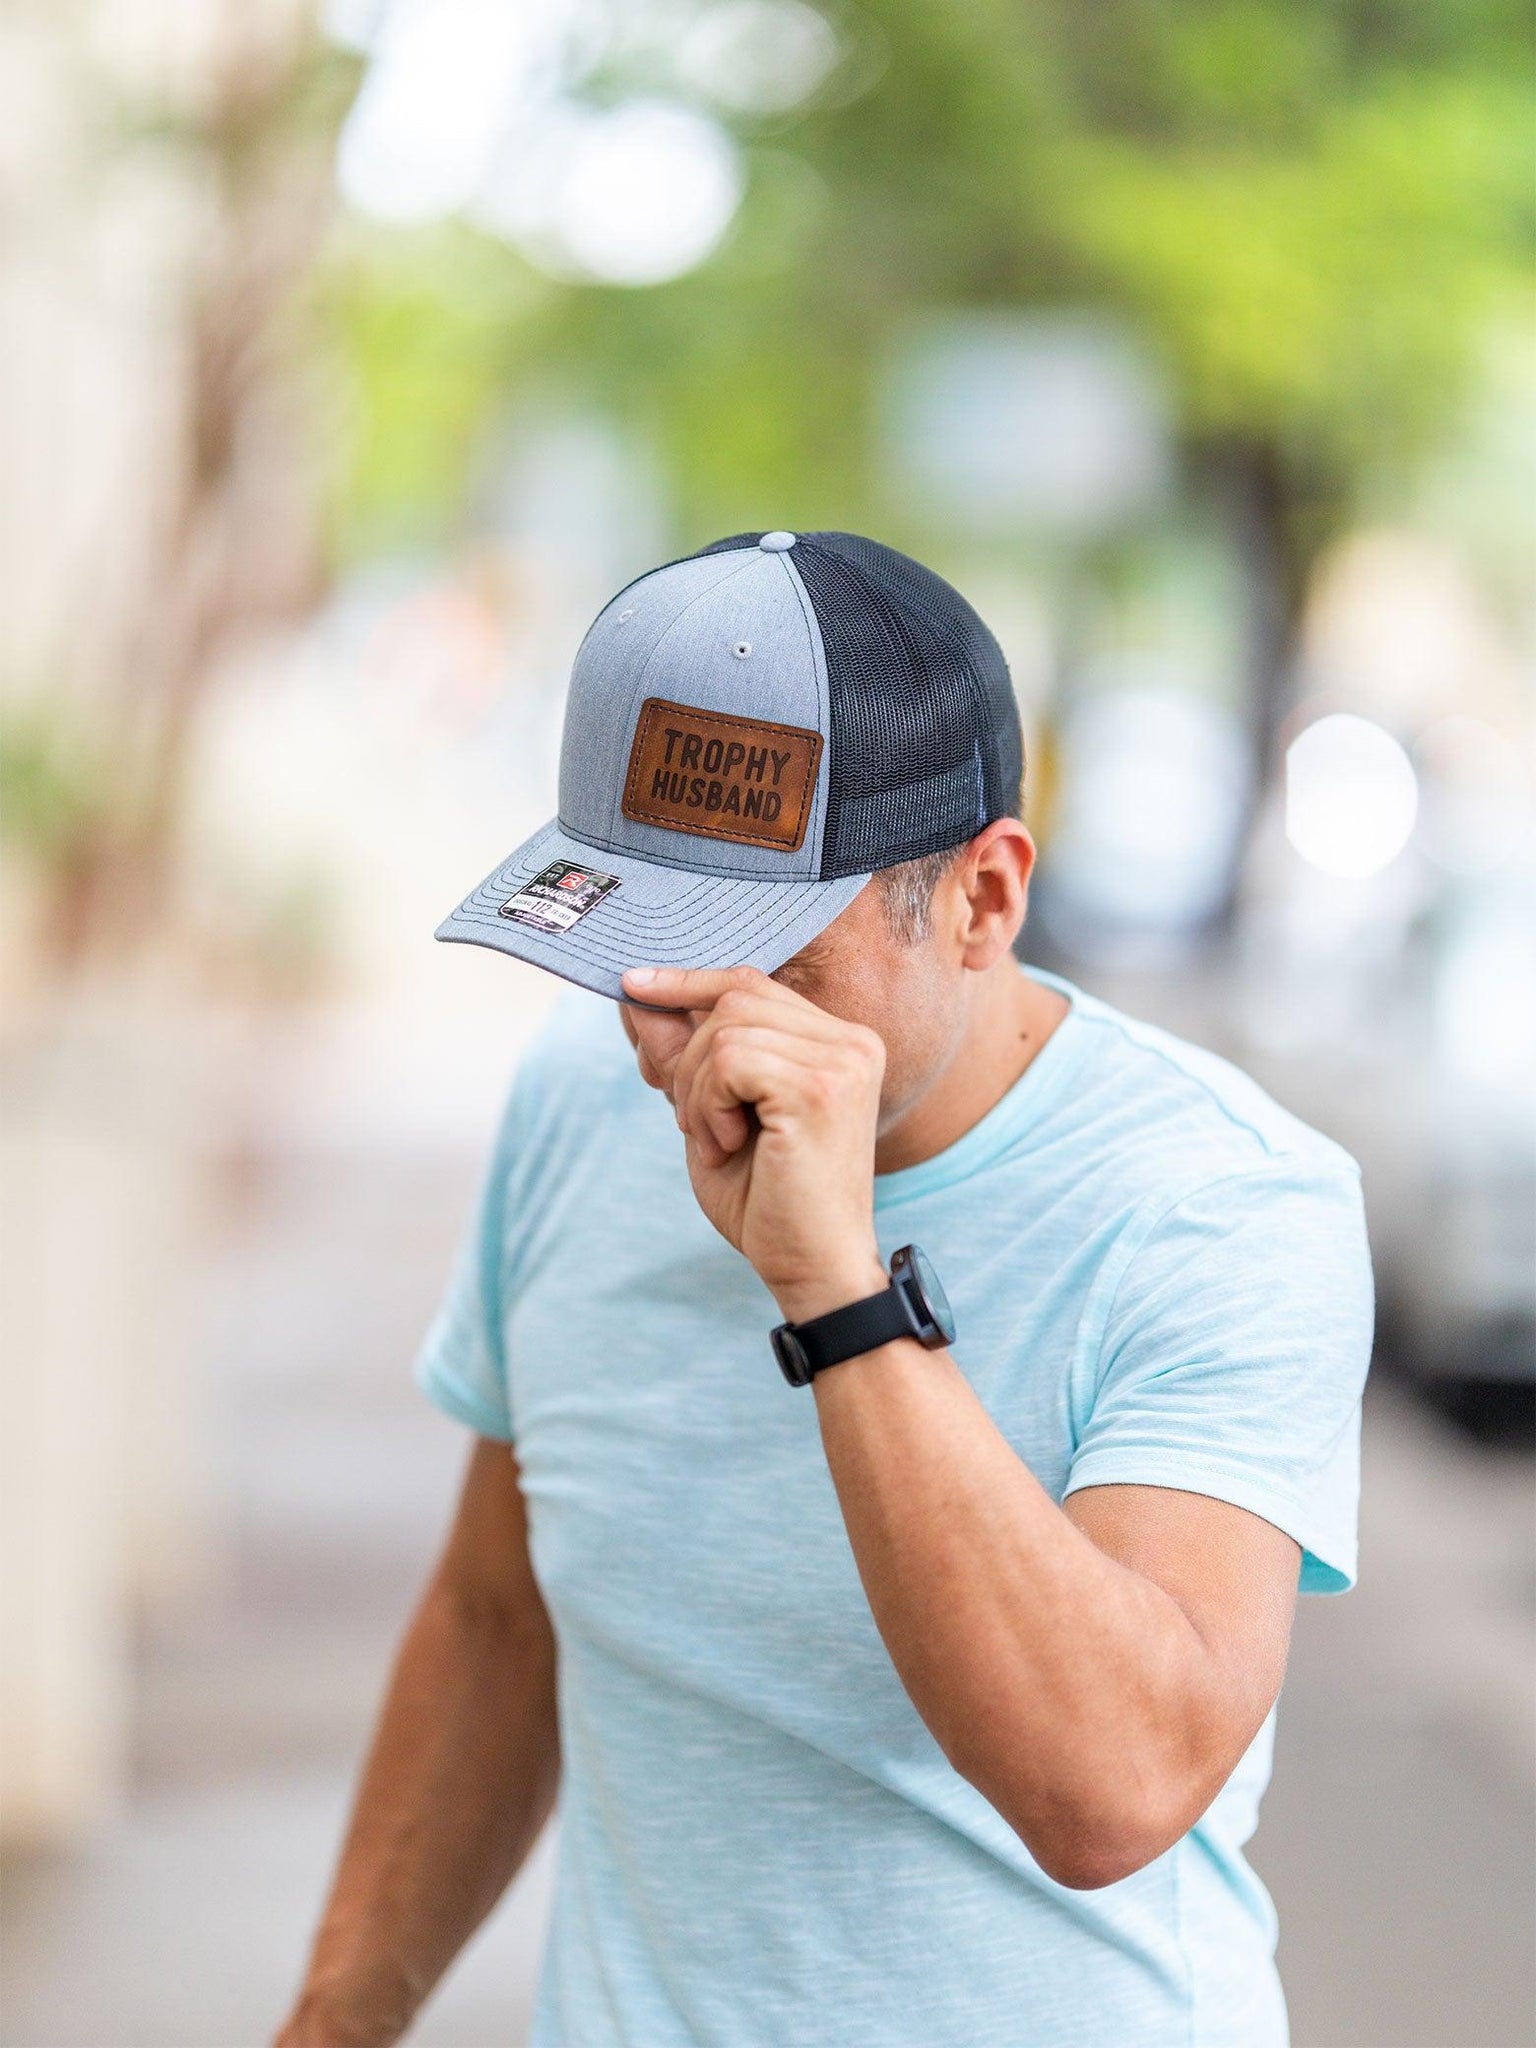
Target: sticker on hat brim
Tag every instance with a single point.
(558, 897)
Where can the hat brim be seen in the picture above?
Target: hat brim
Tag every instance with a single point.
(656, 917)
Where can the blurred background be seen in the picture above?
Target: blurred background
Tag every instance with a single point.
(352, 359)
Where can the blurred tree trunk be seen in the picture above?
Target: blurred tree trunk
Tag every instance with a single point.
(1251, 484)
(1269, 520)
(241, 546)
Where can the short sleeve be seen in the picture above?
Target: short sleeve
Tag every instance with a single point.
(1234, 1356)
(462, 1367)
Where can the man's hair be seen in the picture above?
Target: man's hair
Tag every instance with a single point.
(906, 890)
(906, 893)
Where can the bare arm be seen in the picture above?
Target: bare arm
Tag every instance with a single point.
(1096, 1670)
(458, 1783)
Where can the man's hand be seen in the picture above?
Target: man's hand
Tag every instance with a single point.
(778, 1104)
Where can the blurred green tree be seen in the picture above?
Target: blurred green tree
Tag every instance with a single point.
(1309, 211)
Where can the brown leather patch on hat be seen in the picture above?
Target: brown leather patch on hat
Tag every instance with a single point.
(745, 779)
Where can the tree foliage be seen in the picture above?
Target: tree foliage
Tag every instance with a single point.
(1308, 210)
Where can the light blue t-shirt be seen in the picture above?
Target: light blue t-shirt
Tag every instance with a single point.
(1159, 1276)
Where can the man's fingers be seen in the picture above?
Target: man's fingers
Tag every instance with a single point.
(802, 1026)
(719, 1040)
(650, 1073)
(700, 988)
(687, 988)
(716, 1113)
(731, 1014)
(660, 1039)
(725, 1121)
(766, 1070)
(720, 1131)
(741, 1070)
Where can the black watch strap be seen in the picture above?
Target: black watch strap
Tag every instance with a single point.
(861, 1326)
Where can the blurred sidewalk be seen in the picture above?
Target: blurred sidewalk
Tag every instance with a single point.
(187, 1927)
(1397, 1837)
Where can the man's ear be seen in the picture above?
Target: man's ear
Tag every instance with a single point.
(993, 879)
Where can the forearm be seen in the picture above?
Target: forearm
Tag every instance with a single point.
(1071, 1691)
(459, 1781)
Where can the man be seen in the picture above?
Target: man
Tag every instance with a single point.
(925, 1701)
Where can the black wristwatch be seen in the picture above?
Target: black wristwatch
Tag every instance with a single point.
(914, 1305)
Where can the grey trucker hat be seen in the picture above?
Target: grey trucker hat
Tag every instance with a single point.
(751, 733)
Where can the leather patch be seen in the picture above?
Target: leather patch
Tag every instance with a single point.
(706, 772)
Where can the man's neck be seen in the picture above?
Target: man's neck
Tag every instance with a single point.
(1009, 1020)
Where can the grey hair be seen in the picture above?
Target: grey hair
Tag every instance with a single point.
(906, 890)
(906, 893)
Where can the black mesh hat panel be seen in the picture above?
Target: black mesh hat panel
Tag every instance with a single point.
(924, 747)
(733, 540)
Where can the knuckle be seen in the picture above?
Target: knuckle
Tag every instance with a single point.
(731, 1066)
(821, 1087)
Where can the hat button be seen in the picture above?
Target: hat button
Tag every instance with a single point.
(776, 543)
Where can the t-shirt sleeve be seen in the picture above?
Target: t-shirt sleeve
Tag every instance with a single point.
(1234, 1355)
(461, 1366)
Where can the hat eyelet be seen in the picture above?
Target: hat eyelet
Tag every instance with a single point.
(742, 649)
(626, 615)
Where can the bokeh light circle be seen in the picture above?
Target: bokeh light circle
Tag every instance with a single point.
(1351, 795)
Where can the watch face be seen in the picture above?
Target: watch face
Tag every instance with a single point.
(912, 1265)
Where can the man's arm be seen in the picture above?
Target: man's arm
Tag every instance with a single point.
(1095, 1670)
(458, 1783)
